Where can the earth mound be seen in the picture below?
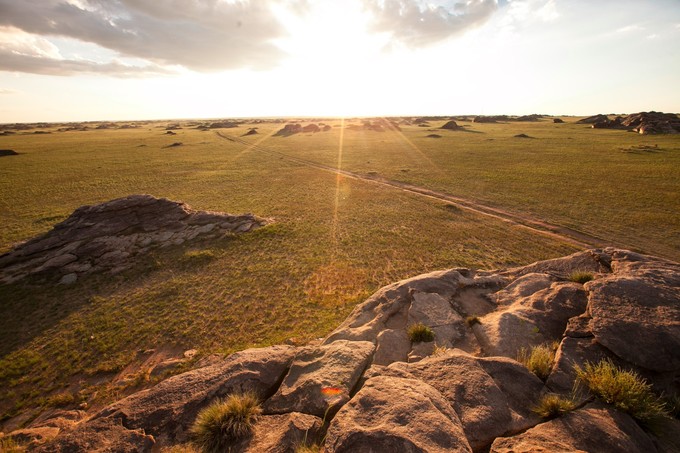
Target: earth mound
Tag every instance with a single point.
(108, 237)
(593, 119)
(8, 152)
(369, 386)
(451, 125)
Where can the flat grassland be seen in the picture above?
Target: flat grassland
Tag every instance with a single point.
(335, 239)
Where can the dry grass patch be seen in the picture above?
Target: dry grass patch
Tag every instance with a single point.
(420, 333)
(539, 359)
(226, 421)
(551, 405)
(580, 277)
(623, 389)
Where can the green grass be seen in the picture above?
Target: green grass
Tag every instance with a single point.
(223, 422)
(580, 277)
(623, 389)
(335, 240)
(538, 359)
(420, 333)
(551, 405)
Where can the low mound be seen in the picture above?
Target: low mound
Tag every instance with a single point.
(108, 237)
(522, 136)
(593, 119)
(8, 152)
(375, 388)
(434, 136)
(558, 121)
(451, 125)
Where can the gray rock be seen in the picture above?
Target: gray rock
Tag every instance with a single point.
(68, 279)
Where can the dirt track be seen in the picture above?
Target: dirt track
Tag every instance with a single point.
(565, 234)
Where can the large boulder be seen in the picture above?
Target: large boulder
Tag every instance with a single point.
(488, 406)
(396, 414)
(169, 409)
(642, 307)
(593, 428)
(337, 366)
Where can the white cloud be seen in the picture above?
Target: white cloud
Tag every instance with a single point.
(630, 28)
(6, 91)
(653, 36)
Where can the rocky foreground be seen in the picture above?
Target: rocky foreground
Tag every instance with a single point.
(462, 392)
(109, 237)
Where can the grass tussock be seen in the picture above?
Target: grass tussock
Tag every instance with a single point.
(580, 277)
(539, 359)
(472, 320)
(304, 448)
(9, 445)
(551, 405)
(225, 421)
(420, 333)
(623, 389)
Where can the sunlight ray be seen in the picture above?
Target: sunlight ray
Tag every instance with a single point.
(255, 144)
(338, 179)
(412, 145)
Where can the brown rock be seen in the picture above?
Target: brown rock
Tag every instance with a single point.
(396, 414)
(170, 408)
(436, 312)
(642, 307)
(103, 435)
(282, 433)
(594, 428)
(338, 365)
(486, 411)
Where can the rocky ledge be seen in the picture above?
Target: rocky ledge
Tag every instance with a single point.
(462, 392)
(108, 237)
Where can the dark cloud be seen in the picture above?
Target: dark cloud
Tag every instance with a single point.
(14, 62)
(203, 35)
(418, 23)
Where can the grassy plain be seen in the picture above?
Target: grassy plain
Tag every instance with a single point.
(335, 240)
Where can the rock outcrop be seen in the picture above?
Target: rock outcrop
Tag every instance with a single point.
(642, 123)
(108, 237)
(367, 387)
(451, 125)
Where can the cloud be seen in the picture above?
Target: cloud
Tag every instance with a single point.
(202, 35)
(23, 52)
(630, 28)
(6, 91)
(419, 23)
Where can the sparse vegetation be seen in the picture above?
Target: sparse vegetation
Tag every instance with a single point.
(538, 359)
(551, 405)
(420, 333)
(308, 270)
(623, 389)
(580, 276)
(9, 445)
(311, 448)
(472, 320)
(223, 422)
(439, 350)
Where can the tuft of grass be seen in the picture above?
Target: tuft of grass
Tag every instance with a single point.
(198, 256)
(420, 333)
(9, 445)
(623, 389)
(60, 400)
(580, 276)
(304, 448)
(472, 320)
(225, 421)
(551, 405)
(439, 350)
(539, 359)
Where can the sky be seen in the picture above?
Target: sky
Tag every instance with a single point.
(88, 60)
